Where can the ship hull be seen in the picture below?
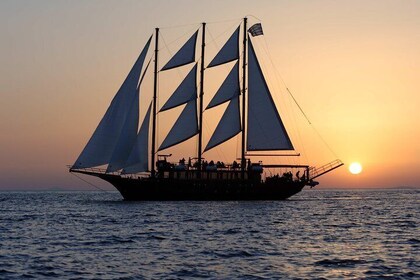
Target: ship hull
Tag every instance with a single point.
(133, 189)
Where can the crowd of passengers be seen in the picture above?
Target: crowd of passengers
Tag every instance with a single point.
(288, 177)
(211, 165)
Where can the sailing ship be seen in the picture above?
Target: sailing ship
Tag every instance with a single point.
(125, 150)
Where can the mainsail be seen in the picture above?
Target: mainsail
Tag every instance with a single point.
(101, 145)
(138, 160)
(265, 128)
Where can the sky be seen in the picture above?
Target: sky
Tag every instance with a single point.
(353, 67)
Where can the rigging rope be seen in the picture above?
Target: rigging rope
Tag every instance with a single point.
(178, 26)
(228, 29)
(181, 36)
(93, 185)
(199, 23)
(297, 104)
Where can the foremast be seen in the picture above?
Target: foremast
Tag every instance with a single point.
(155, 85)
(201, 97)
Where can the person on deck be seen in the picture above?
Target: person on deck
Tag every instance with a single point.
(235, 164)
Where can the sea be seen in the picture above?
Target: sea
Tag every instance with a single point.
(317, 234)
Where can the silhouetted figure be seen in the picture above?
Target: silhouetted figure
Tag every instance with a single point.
(303, 178)
(182, 161)
(235, 164)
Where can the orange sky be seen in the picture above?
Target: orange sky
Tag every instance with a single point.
(352, 65)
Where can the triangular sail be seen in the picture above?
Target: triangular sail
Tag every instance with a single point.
(184, 56)
(229, 125)
(186, 91)
(184, 128)
(138, 160)
(265, 128)
(229, 52)
(128, 133)
(127, 138)
(229, 88)
(99, 149)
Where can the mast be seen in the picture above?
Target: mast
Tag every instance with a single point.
(154, 102)
(243, 161)
(200, 125)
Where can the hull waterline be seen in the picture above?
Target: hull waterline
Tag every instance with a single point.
(137, 189)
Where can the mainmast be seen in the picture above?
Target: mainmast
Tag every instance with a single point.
(154, 102)
(243, 160)
(200, 119)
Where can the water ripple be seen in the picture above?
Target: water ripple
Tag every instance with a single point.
(317, 234)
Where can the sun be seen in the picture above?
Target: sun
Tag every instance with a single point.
(355, 168)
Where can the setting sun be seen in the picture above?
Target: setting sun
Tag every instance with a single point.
(355, 168)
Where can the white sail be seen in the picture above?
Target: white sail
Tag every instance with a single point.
(138, 160)
(127, 138)
(228, 127)
(186, 91)
(99, 149)
(184, 56)
(184, 128)
(265, 128)
(229, 88)
(229, 52)
(128, 134)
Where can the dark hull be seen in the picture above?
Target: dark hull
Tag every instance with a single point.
(176, 189)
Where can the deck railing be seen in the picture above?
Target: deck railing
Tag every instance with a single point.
(315, 172)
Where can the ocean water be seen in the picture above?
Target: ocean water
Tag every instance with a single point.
(352, 234)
